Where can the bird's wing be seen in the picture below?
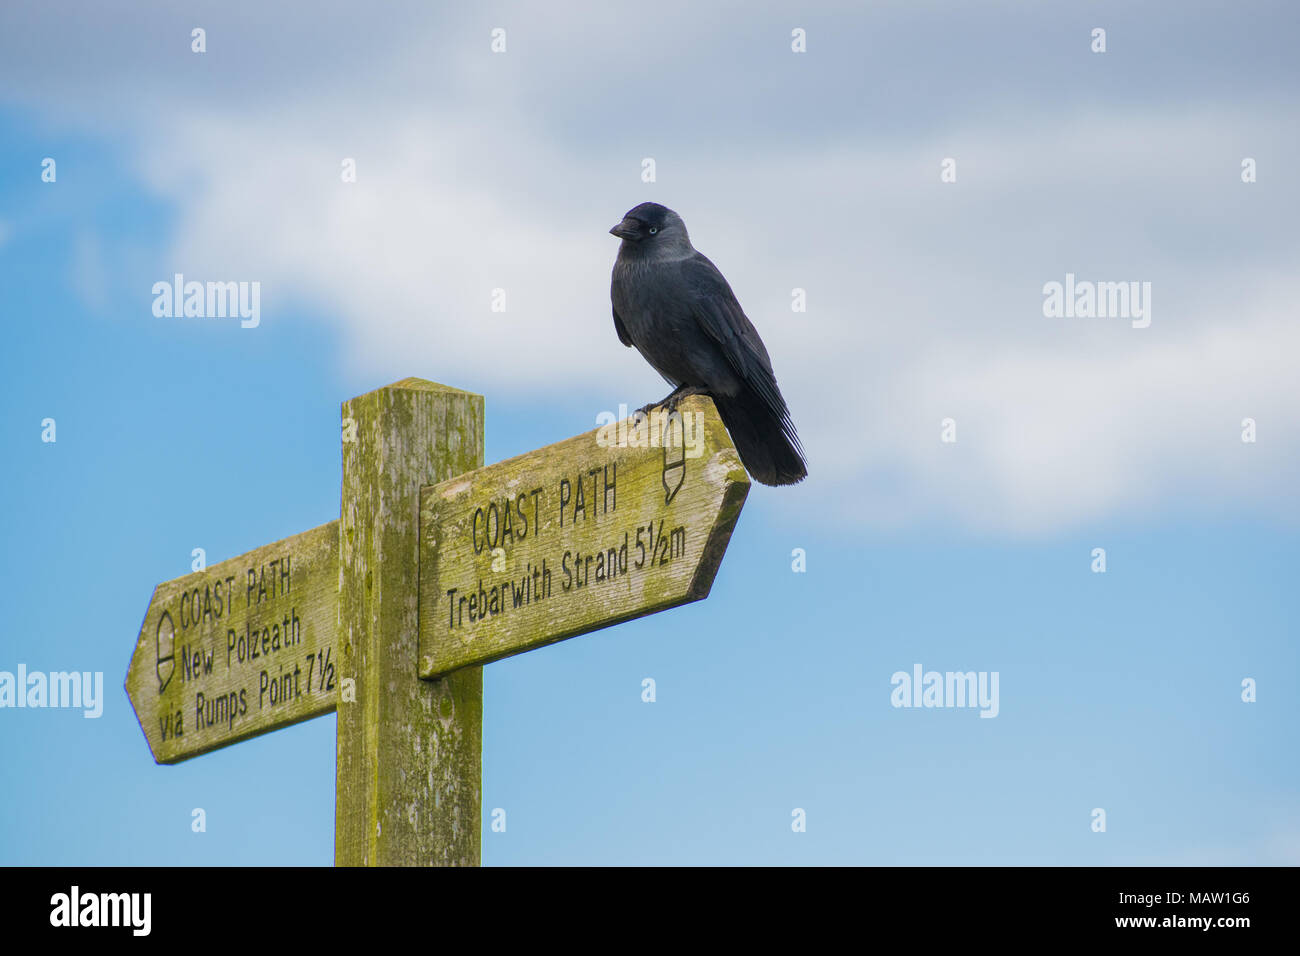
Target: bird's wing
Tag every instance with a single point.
(715, 308)
(621, 329)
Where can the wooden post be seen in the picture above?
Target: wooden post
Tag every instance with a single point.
(409, 756)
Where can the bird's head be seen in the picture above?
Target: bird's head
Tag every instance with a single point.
(652, 227)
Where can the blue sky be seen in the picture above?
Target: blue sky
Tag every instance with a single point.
(819, 171)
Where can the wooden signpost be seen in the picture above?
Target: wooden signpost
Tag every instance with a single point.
(436, 566)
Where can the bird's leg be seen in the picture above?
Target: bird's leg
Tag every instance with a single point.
(671, 400)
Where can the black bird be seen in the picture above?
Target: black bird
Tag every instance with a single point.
(674, 305)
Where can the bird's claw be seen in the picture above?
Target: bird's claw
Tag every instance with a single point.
(670, 402)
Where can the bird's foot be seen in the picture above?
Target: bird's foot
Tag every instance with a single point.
(675, 399)
(670, 402)
(645, 410)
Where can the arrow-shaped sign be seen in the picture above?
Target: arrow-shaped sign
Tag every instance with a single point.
(626, 520)
(240, 648)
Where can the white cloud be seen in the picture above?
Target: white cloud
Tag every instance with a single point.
(924, 298)
(1051, 438)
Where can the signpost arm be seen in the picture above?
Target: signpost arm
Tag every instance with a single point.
(409, 756)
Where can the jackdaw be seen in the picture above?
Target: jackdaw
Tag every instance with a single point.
(674, 305)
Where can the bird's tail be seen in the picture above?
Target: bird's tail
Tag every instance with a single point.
(768, 446)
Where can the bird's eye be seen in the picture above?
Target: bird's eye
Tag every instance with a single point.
(653, 230)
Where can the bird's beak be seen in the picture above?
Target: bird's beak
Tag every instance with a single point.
(629, 228)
